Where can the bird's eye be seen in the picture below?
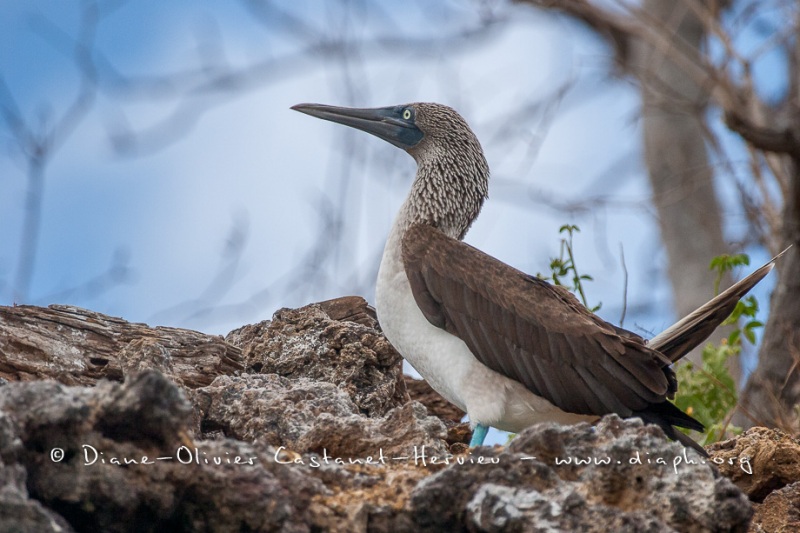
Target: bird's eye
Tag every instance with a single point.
(407, 114)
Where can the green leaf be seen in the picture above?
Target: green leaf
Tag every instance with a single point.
(564, 266)
(569, 228)
(708, 393)
(725, 262)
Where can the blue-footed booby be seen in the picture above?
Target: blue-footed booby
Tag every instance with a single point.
(508, 348)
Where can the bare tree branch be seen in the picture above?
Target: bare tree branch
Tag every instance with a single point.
(38, 147)
(784, 141)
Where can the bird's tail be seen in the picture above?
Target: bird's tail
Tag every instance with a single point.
(683, 336)
(666, 415)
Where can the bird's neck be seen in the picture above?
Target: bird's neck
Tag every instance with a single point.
(446, 195)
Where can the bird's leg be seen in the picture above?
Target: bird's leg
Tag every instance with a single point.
(478, 435)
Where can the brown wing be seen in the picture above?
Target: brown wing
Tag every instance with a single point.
(531, 331)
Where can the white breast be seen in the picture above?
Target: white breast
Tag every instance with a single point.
(446, 362)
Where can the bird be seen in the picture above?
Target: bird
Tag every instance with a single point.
(508, 348)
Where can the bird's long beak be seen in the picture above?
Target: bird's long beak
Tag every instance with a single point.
(384, 122)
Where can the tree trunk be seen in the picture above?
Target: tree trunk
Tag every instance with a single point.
(673, 110)
(772, 393)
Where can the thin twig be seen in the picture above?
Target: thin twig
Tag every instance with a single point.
(624, 286)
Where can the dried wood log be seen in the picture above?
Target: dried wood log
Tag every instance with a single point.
(79, 347)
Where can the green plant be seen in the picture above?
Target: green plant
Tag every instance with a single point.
(709, 393)
(563, 267)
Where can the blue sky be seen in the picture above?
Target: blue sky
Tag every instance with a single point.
(235, 197)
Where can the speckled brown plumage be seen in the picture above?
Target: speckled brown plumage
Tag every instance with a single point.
(452, 173)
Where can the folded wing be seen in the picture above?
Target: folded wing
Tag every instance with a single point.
(536, 333)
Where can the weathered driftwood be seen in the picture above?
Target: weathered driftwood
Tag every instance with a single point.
(79, 347)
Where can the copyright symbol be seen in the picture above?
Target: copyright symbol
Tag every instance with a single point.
(56, 455)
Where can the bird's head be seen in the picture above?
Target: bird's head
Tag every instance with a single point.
(452, 177)
(421, 129)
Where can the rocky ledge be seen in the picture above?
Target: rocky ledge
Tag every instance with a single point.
(306, 423)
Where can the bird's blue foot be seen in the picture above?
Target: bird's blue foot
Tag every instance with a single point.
(478, 435)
